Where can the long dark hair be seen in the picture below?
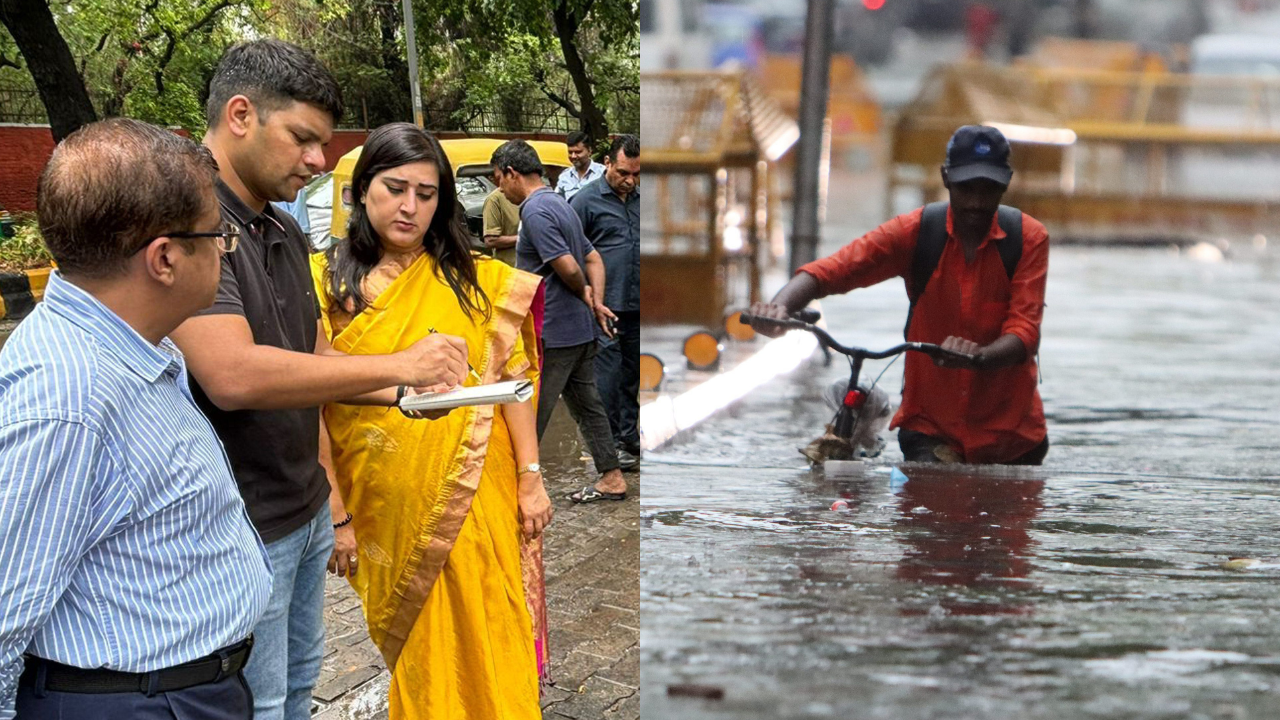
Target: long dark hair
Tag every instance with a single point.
(446, 240)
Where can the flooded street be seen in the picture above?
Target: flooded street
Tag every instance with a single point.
(1093, 587)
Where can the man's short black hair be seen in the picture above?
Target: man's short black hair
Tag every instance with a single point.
(114, 184)
(576, 137)
(272, 74)
(517, 155)
(629, 144)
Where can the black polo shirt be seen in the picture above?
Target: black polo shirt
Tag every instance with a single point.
(275, 454)
(613, 227)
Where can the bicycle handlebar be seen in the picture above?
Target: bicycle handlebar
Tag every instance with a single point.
(799, 322)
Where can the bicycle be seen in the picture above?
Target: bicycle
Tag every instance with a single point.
(840, 441)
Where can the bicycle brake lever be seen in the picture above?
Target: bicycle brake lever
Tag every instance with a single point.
(807, 315)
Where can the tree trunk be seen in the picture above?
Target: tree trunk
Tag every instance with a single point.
(593, 120)
(49, 59)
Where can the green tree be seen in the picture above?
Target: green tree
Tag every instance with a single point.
(509, 60)
(35, 34)
(151, 61)
(540, 41)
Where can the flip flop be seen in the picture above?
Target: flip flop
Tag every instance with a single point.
(589, 494)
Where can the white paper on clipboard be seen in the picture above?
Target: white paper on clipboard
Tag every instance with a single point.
(496, 394)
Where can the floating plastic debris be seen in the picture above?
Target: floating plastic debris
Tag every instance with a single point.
(707, 692)
(1241, 563)
(897, 481)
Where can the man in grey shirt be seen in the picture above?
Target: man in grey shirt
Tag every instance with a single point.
(552, 245)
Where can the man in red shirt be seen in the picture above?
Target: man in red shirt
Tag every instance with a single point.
(984, 297)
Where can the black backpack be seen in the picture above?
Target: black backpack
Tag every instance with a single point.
(933, 238)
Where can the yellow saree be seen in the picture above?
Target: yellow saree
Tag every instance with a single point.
(443, 567)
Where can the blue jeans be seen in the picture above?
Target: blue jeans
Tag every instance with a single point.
(288, 642)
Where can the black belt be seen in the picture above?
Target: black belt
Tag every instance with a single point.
(55, 677)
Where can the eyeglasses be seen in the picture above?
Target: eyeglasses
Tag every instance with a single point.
(227, 237)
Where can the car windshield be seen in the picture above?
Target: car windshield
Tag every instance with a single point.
(474, 186)
(319, 192)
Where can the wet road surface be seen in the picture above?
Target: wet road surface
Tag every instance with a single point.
(1093, 587)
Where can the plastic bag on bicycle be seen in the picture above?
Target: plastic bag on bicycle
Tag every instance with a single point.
(871, 419)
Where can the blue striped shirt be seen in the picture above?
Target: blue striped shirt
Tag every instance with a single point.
(124, 543)
(569, 182)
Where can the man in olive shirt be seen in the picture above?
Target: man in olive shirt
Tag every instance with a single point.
(501, 225)
(260, 366)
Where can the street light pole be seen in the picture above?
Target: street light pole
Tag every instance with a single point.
(411, 48)
(814, 88)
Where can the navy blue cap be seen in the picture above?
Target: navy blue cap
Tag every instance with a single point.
(978, 151)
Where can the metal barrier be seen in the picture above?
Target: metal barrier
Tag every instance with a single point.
(711, 139)
(1102, 154)
(852, 109)
(1118, 55)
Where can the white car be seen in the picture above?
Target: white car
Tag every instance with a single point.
(319, 194)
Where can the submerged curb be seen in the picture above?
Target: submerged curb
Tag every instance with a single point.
(20, 291)
(669, 415)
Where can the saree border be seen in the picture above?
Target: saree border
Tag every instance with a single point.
(415, 585)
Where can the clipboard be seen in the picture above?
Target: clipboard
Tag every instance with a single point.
(512, 391)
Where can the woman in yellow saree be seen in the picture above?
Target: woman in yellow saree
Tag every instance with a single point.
(447, 513)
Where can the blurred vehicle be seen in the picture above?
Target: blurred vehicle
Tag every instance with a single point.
(1235, 100)
(469, 158)
(782, 27)
(1154, 24)
(1237, 85)
(734, 31)
(1236, 55)
(671, 35)
(935, 15)
(863, 30)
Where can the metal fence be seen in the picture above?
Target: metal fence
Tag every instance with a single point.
(526, 114)
(21, 105)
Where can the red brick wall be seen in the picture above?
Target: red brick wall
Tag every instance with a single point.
(24, 149)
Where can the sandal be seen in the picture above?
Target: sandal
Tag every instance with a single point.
(589, 494)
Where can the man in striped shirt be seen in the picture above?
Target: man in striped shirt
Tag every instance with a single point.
(133, 576)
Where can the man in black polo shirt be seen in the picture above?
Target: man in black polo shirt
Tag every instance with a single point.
(610, 212)
(260, 365)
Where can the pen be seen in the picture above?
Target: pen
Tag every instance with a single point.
(471, 371)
